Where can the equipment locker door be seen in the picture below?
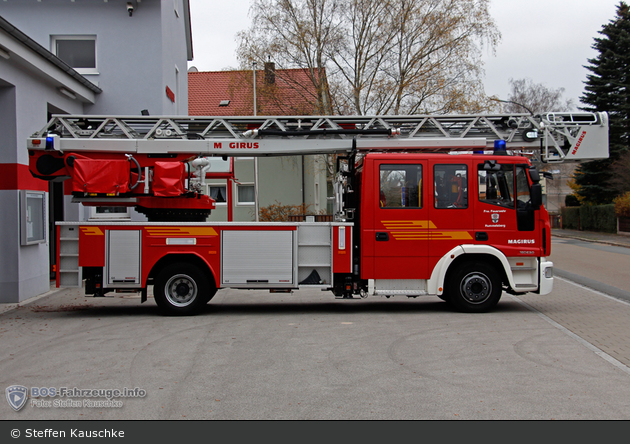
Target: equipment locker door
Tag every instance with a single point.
(399, 230)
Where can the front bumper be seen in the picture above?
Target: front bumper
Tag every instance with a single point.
(546, 277)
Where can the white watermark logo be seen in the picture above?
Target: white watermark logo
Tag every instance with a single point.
(17, 395)
(64, 397)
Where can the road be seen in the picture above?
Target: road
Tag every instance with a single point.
(600, 317)
(600, 266)
(308, 356)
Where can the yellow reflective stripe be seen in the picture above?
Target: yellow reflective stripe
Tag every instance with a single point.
(91, 231)
(181, 231)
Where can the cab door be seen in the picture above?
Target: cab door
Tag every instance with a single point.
(505, 216)
(451, 211)
(397, 236)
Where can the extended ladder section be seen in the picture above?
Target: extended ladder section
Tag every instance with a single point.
(551, 137)
(158, 165)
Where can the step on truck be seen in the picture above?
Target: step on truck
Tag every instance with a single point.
(446, 206)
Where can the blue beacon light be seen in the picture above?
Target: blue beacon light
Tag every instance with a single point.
(50, 143)
(500, 147)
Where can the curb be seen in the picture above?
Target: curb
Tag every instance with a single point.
(5, 308)
(584, 239)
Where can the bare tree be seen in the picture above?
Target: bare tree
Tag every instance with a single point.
(364, 50)
(380, 56)
(435, 62)
(527, 96)
(295, 34)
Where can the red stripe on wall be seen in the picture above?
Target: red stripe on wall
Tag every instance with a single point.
(16, 176)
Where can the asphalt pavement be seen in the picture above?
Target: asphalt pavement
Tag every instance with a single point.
(255, 355)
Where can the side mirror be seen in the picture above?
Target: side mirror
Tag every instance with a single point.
(536, 195)
(534, 175)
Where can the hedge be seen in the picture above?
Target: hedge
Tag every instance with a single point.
(570, 218)
(590, 218)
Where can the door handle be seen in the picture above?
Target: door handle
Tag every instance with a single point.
(481, 236)
(382, 237)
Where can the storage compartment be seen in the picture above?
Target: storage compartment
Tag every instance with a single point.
(69, 272)
(258, 259)
(315, 254)
(122, 258)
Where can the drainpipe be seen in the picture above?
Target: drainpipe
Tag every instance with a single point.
(256, 204)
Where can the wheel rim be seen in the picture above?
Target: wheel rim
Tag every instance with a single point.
(476, 288)
(180, 290)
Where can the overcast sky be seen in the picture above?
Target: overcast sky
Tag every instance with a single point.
(548, 41)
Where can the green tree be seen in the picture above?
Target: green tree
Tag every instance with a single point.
(608, 89)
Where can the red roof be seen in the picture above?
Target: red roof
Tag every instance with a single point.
(278, 92)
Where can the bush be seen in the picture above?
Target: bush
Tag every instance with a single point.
(622, 205)
(571, 200)
(280, 213)
(571, 218)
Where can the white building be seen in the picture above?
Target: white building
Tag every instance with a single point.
(87, 57)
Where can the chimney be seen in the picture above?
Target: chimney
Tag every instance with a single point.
(270, 73)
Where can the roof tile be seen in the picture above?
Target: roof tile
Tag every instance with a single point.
(290, 93)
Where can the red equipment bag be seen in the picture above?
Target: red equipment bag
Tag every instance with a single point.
(101, 176)
(168, 179)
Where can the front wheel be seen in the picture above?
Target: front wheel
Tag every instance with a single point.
(474, 288)
(181, 289)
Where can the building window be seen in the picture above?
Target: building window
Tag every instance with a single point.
(32, 217)
(109, 213)
(245, 194)
(218, 193)
(77, 51)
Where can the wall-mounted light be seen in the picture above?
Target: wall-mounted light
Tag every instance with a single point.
(4, 53)
(67, 92)
(130, 8)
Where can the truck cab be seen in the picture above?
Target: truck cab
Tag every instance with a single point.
(424, 218)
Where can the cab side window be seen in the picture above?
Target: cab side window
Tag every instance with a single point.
(400, 186)
(496, 187)
(450, 186)
(522, 187)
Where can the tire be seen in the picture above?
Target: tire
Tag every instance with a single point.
(474, 288)
(182, 289)
(211, 293)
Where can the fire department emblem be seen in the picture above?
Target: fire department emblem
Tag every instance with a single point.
(495, 218)
(17, 395)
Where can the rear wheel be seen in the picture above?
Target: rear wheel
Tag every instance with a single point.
(182, 289)
(474, 287)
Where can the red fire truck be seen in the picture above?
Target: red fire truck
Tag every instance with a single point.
(448, 206)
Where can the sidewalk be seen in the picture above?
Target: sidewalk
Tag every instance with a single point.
(619, 240)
